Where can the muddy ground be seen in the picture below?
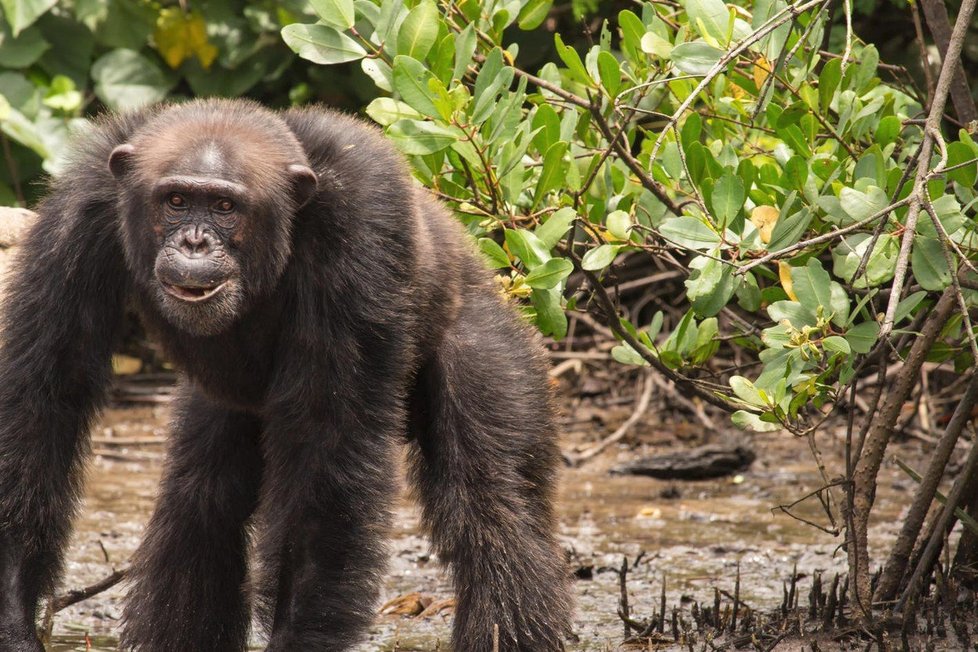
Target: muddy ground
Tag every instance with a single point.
(692, 535)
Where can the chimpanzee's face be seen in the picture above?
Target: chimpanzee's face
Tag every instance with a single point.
(208, 226)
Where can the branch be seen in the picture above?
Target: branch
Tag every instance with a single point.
(825, 237)
(932, 126)
(935, 13)
(614, 322)
(77, 595)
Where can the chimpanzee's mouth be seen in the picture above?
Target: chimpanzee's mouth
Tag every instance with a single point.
(191, 293)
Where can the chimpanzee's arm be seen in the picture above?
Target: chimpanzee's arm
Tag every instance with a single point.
(61, 315)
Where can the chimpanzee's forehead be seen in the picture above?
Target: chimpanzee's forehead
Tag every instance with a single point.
(208, 158)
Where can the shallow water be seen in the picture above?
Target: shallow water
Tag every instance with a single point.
(692, 535)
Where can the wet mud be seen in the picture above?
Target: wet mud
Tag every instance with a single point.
(692, 536)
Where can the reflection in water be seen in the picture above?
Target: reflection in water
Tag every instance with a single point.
(691, 535)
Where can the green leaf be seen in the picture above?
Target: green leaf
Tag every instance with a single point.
(549, 274)
(420, 138)
(73, 55)
(929, 265)
(796, 314)
(619, 224)
(709, 286)
(652, 43)
(696, 57)
(23, 50)
(552, 176)
(533, 14)
(860, 205)
(493, 77)
(691, 131)
(572, 60)
(610, 72)
(958, 154)
(888, 130)
(62, 95)
(750, 421)
(632, 29)
(728, 198)
(812, 286)
(839, 304)
(706, 341)
(321, 44)
(556, 226)
(749, 294)
(863, 336)
(495, 254)
(418, 31)
(125, 79)
(21, 14)
(837, 344)
(380, 72)
(689, 232)
(336, 13)
(22, 130)
(796, 173)
(546, 123)
(597, 259)
(527, 247)
(551, 319)
(828, 82)
(127, 24)
(625, 354)
(386, 111)
(788, 230)
(465, 43)
(711, 18)
(412, 82)
(847, 255)
(745, 390)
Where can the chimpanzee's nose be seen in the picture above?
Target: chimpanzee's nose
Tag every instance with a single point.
(196, 242)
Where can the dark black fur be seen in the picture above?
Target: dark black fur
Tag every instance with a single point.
(360, 316)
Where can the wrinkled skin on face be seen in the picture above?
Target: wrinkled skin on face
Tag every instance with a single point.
(219, 217)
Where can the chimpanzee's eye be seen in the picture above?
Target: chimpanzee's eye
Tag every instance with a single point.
(176, 200)
(223, 206)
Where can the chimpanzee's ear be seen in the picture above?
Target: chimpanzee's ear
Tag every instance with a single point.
(120, 160)
(304, 184)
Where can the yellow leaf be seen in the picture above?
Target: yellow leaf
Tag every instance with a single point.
(762, 68)
(764, 218)
(784, 273)
(179, 36)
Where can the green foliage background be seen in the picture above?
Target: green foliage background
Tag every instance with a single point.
(720, 140)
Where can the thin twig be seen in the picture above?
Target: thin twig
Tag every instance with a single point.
(576, 459)
(77, 595)
(825, 237)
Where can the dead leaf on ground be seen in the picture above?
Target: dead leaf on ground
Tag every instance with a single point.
(435, 608)
(408, 604)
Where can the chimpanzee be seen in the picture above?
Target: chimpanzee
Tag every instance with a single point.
(322, 309)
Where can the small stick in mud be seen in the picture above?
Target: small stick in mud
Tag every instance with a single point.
(623, 600)
(736, 601)
(77, 595)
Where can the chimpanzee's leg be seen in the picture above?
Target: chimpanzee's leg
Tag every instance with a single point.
(330, 479)
(485, 470)
(190, 570)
